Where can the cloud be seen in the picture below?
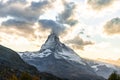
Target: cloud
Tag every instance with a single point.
(73, 37)
(68, 14)
(78, 43)
(26, 32)
(20, 9)
(38, 5)
(99, 4)
(112, 26)
(16, 23)
(31, 37)
(26, 23)
(53, 25)
(31, 33)
(21, 28)
(24, 17)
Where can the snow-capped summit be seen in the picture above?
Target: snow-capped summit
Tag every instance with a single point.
(59, 50)
(58, 59)
(52, 42)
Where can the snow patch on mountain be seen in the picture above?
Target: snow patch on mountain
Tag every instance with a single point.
(71, 57)
(95, 67)
(45, 53)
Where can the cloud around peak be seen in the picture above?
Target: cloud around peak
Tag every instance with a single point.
(56, 27)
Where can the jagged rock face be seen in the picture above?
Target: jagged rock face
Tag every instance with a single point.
(56, 58)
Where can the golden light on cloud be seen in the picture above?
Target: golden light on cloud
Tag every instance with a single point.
(113, 26)
(17, 38)
(99, 4)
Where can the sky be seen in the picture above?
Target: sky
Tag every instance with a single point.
(90, 27)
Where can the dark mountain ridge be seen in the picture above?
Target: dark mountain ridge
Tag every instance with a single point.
(11, 59)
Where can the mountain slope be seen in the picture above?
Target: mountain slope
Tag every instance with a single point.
(102, 68)
(13, 67)
(58, 59)
(11, 59)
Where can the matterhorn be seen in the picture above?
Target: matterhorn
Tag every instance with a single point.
(58, 59)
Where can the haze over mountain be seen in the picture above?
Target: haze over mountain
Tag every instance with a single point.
(114, 62)
(58, 59)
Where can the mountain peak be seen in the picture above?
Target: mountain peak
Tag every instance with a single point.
(60, 50)
(56, 58)
(51, 42)
(53, 38)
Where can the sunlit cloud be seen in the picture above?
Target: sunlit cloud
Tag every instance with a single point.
(31, 37)
(113, 26)
(78, 43)
(22, 25)
(86, 12)
(100, 4)
(19, 10)
(72, 36)
(79, 23)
